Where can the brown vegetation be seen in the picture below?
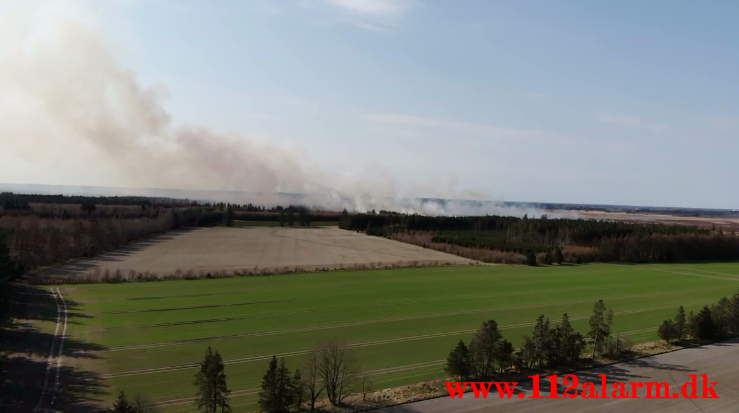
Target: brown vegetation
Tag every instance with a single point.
(36, 241)
(425, 239)
(228, 252)
(51, 276)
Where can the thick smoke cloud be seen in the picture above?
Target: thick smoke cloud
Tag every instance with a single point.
(72, 114)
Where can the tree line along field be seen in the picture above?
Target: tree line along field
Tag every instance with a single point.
(530, 240)
(400, 323)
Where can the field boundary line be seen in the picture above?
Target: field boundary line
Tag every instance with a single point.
(668, 271)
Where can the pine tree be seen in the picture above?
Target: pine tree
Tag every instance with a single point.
(734, 315)
(721, 317)
(526, 353)
(703, 327)
(298, 388)
(570, 342)
(459, 363)
(681, 323)
(277, 388)
(122, 405)
(222, 391)
(503, 355)
(668, 331)
(541, 339)
(211, 382)
(482, 349)
(600, 327)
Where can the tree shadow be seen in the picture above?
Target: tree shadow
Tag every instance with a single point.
(82, 266)
(21, 387)
(25, 350)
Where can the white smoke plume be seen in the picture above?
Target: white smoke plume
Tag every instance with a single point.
(70, 111)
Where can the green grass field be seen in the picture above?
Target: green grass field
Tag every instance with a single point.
(401, 323)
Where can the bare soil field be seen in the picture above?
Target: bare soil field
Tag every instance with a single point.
(221, 251)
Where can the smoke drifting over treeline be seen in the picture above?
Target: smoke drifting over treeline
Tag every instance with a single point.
(71, 114)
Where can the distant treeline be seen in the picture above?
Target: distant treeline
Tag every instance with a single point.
(545, 238)
(34, 241)
(42, 230)
(10, 200)
(288, 216)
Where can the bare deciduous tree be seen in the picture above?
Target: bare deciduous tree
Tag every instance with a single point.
(312, 379)
(366, 385)
(336, 371)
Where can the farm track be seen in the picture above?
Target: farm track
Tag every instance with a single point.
(196, 307)
(249, 359)
(698, 274)
(54, 360)
(291, 331)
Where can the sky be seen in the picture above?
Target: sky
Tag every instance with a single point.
(626, 102)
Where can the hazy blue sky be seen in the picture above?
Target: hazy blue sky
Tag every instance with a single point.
(631, 102)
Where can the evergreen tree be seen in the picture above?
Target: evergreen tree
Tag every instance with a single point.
(600, 327)
(483, 350)
(298, 388)
(691, 323)
(734, 315)
(277, 393)
(681, 327)
(459, 362)
(570, 343)
(527, 353)
(503, 355)
(668, 331)
(530, 258)
(541, 339)
(703, 327)
(122, 405)
(721, 317)
(211, 382)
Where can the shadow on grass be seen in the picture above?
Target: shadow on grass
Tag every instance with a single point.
(24, 351)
